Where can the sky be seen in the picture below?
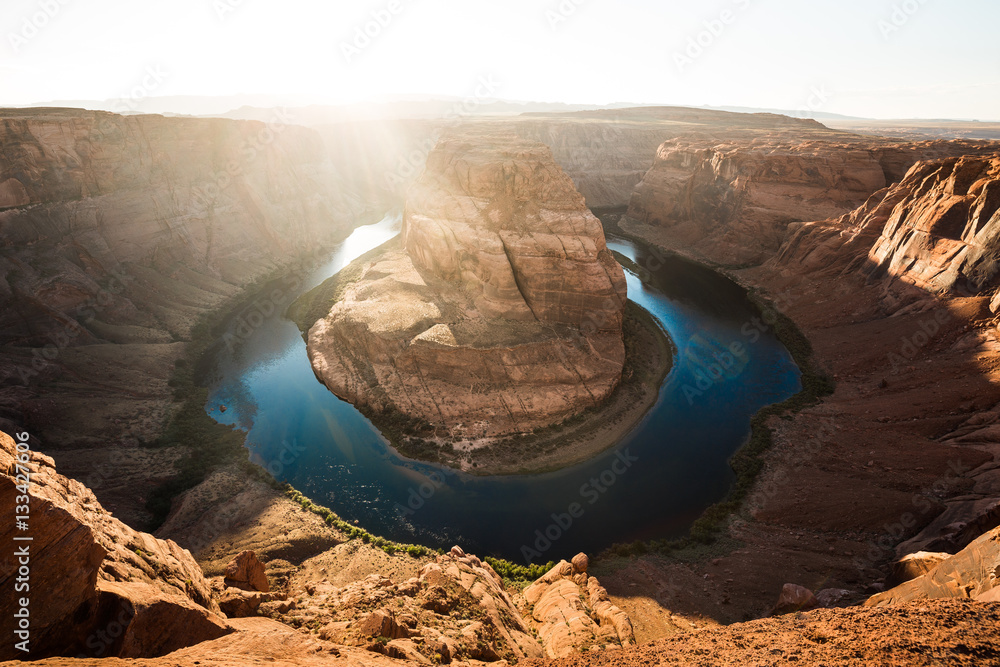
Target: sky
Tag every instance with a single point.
(869, 58)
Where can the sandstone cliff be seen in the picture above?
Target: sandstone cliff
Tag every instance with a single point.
(97, 588)
(934, 232)
(732, 198)
(502, 313)
(119, 234)
(607, 152)
(944, 234)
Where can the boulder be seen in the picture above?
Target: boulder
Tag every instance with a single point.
(157, 624)
(383, 624)
(572, 610)
(246, 572)
(239, 603)
(915, 565)
(831, 597)
(794, 598)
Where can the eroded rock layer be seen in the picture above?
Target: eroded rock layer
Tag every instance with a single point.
(99, 588)
(732, 198)
(501, 314)
(119, 234)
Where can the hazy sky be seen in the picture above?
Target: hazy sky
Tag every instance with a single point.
(925, 58)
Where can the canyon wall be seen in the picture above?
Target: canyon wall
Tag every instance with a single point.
(119, 233)
(501, 314)
(605, 152)
(933, 232)
(731, 199)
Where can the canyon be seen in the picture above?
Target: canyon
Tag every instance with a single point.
(880, 251)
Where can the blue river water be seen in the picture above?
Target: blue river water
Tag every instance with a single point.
(653, 484)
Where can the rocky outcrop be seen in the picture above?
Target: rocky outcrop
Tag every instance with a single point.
(246, 514)
(456, 608)
(247, 573)
(573, 610)
(915, 565)
(944, 232)
(733, 198)
(972, 573)
(99, 588)
(502, 313)
(934, 232)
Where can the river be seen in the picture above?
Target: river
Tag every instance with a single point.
(653, 484)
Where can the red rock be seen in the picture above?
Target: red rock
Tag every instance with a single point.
(107, 589)
(915, 565)
(970, 573)
(794, 598)
(246, 572)
(502, 313)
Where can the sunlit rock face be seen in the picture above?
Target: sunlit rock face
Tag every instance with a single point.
(943, 234)
(934, 231)
(501, 313)
(737, 198)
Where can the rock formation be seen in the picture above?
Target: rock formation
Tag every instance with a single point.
(457, 609)
(119, 234)
(573, 610)
(732, 198)
(607, 152)
(98, 588)
(971, 574)
(502, 314)
(944, 232)
(247, 573)
(737, 191)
